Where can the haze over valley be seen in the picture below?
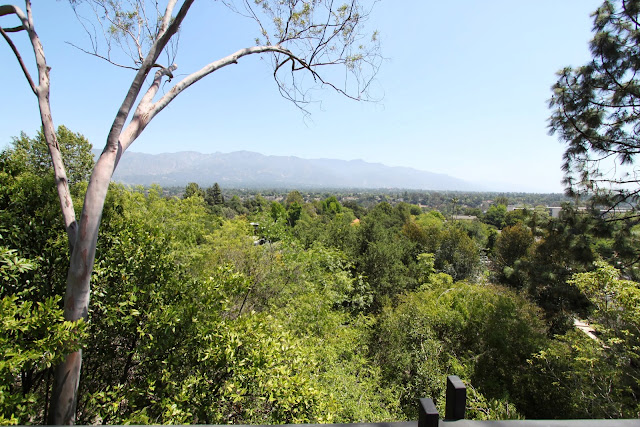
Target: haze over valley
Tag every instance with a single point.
(247, 169)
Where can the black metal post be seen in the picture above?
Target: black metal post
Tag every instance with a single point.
(428, 414)
(456, 399)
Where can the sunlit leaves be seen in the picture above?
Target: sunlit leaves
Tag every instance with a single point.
(33, 337)
(604, 366)
(617, 301)
(74, 148)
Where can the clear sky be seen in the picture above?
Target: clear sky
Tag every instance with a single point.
(464, 90)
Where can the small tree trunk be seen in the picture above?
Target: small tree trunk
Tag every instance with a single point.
(65, 390)
(76, 302)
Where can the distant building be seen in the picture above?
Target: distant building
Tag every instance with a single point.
(554, 211)
(464, 217)
(511, 208)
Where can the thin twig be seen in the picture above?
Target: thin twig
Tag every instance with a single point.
(102, 57)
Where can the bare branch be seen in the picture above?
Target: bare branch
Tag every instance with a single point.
(97, 55)
(20, 61)
(167, 17)
(147, 99)
(15, 10)
(42, 93)
(210, 68)
(140, 77)
(7, 9)
(14, 29)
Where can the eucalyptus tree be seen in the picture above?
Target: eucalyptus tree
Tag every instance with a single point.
(301, 37)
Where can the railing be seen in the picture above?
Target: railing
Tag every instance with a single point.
(455, 405)
(456, 400)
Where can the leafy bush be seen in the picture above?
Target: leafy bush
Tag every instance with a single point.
(484, 334)
(34, 337)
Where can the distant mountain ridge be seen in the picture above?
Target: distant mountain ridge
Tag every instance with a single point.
(247, 169)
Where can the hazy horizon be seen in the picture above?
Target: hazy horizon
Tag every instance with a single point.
(463, 91)
(143, 173)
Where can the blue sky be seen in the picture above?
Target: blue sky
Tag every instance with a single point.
(463, 89)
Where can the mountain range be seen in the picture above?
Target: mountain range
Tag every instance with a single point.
(246, 169)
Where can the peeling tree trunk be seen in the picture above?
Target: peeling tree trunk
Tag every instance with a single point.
(76, 301)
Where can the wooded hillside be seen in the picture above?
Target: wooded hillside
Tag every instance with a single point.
(214, 309)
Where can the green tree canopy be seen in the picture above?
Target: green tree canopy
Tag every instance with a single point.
(512, 245)
(193, 189)
(496, 215)
(75, 149)
(294, 197)
(331, 205)
(485, 334)
(458, 255)
(605, 366)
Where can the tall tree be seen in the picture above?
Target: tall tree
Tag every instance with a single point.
(300, 36)
(596, 110)
(213, 195)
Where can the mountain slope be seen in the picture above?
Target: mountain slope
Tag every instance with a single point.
(245, 169)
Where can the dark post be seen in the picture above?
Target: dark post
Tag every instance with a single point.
(456, 399)
(428, 414)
